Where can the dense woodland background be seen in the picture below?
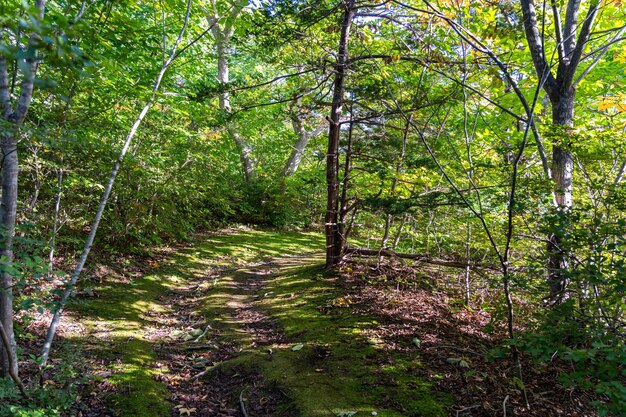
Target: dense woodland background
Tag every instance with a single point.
(486, 136)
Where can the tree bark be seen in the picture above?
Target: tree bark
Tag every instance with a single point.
(332, 227)
(562, 176)
(222, 34)
(10, 171)
(8, 206)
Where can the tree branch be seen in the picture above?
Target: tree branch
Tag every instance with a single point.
(583, 37)
(536, 46)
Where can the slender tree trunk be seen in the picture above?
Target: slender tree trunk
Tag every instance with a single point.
(332, 227)
(55, 221)
(36, 184)
(394, 182)
(8, 206)
(12, 122)
(388, 224)
(222, 34)
(468, 266)
(245, 153)
(396, 240)
(304, 136)
(562, 175)
(344, 209)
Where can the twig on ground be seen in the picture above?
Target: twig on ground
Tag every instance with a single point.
(242, 405)
(203, 334)
(206, 371)
(504, 405)
(462, 410)
(200, 347)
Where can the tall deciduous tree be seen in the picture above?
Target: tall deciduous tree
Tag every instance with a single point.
(333, 229)
(222, 29)
(572, 36)
(12, 119)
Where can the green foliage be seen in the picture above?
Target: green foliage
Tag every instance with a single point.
(56, 397)
(441, 183)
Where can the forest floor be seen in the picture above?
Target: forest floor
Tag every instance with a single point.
(246, 323)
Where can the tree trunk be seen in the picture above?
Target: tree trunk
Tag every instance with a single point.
(222, 39)
(334, 239)
(304, 136)
(562, 175)
(344, 208)
(12, 122)
(572, 37)
(8, 206)
(396, 240)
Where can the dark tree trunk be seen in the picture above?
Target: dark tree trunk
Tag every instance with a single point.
(562, 175)
(334, 240)
(572, 37)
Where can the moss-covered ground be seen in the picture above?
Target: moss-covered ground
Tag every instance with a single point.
(324, 365)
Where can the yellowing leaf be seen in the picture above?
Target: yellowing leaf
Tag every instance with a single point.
(605, 104)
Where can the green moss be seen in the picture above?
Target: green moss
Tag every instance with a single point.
(119, 316)
(338, 369)
(138, 393)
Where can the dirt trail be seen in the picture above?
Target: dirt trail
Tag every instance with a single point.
(239, 326)
(149, 329)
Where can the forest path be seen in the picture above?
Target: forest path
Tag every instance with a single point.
(245, 319)
(232, 325)
(147, 330)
